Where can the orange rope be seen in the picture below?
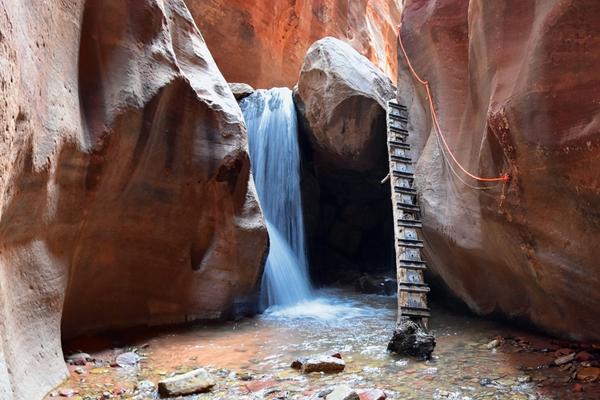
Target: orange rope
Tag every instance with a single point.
(505, 178)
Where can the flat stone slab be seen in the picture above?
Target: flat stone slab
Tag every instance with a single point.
(342, 392)
(193, 382)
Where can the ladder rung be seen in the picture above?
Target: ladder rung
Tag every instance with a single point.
(395, 104)
(406, 160)
(409, 223)
(398, 117)
(408, 175)
(402, 190)
(413, 266)
(407, 207)
(401, 131)
(416, 244)
(414, 289)
(400, 145)
(414, 312)
(418, 284)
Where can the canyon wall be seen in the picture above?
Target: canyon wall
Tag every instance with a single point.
(516, 88)
(263, 42)
(125, 189)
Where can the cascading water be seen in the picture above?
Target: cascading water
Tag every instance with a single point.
(273, 140)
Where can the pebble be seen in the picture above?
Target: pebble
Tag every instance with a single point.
(373, 394)
(565, 359)
(493, 344)
(588, 374)
(193, 382)
(326, 364)
(128, 359)
(79, 358)
(68, 392)
(342, 392)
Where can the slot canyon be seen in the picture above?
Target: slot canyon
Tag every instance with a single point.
(299, 199)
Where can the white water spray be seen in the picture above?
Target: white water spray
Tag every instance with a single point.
(273, 140)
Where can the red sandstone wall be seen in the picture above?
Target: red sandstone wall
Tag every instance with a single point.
(516, 88)
(263, 42)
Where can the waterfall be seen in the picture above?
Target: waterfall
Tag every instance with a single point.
(273, 140)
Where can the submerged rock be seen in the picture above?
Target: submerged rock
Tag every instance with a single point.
(342, 392)
(193, 382)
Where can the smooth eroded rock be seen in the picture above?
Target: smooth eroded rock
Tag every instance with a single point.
(517, 98)
(125, 189)
(193, 382)
(342, 98)
(241, 90)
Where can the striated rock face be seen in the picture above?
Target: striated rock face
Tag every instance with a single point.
(341, 97)
(515, 85)
(125, 189)
(263, 42)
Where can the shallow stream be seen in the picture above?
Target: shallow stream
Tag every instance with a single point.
(251, 358)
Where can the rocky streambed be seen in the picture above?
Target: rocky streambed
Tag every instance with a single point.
(251, 358)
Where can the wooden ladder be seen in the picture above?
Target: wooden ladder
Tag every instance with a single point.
(412, 289)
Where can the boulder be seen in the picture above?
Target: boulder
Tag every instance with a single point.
(241, 90)
(193, 382)
(125, 189)
(342, 98)
(263, 42)
(515, 98)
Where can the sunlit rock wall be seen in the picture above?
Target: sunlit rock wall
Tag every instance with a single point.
(263, 42)
(516, 87)
(125, 191)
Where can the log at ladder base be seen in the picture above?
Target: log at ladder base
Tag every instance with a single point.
(411, 336)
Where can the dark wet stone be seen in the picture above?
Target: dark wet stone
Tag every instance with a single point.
(411, 340)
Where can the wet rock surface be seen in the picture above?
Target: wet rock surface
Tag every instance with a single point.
(325, 364)
(245, 366)
(409, 339)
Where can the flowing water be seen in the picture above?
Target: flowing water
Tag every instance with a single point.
(273, 140)
(251, 358)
